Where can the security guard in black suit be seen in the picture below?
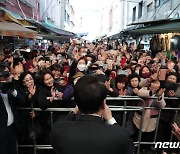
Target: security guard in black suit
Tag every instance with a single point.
(9, 99)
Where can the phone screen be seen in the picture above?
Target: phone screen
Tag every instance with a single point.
(162, 74)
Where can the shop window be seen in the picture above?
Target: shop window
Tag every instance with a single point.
(157, 3)
(38, 6)
(140, 8)
(149, 7)
(68, 19)
(134, 14)
(65, 15)
(160, 2)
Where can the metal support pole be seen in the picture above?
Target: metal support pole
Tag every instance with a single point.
(124, 115)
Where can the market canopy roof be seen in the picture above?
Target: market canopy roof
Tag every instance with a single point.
(54, 37)
(151, 22)
(56, 30)
(155, 26)
(6, 15)
(49, 32)
(157, 29)
(13, 29)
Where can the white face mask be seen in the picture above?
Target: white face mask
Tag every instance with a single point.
(137, 71)
(81, 67)
(83, 54)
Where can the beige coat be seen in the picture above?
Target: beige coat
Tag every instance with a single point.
(150, 117)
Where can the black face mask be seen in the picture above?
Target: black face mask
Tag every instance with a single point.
(92, 70)
(63, 54)
(171, 86)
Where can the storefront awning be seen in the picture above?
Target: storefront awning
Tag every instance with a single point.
(169, 27)
(54, 37)
(59, 31)
(13, 29)
(6, 15)
(49, 31)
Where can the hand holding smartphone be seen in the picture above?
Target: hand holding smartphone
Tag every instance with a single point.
(162, 74)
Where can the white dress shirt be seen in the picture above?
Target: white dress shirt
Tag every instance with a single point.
(112, 121)
(8, 109)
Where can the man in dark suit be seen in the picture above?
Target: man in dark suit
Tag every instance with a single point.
(89, 133)
(9, 98)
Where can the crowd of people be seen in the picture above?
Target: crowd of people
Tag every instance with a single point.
(47, 79)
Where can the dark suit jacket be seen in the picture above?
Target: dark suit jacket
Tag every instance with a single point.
(90, 135)
(14, 102)
(45, 92)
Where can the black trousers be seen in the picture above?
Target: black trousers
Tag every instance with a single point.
(8, 145)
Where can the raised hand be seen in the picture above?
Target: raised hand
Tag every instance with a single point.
(32, 90)
(53, 93)
(107, 113)
(161, 91)
(176, 130)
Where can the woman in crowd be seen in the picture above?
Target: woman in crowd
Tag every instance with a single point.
(30, 123)
(57, 71)
(133, 85)
(147, 75)
(49, 96)
(120, 84)
(79, 65)
(69, 90)
(167, 116)
(137, 68)
(49, 91)
(150, 117)
(145, 72)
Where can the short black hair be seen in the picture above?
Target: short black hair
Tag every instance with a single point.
(22, 76)
(102, 78)
(133, 75)
(41, 58)
(56, 67)
(42, 73)
(89, 94)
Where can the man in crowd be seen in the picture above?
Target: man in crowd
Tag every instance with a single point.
(89, 133)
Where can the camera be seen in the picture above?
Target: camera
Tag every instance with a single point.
(92, 70)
